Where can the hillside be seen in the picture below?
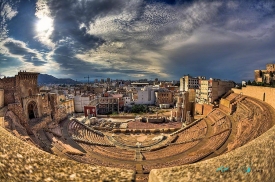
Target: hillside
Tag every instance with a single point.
(49, 79)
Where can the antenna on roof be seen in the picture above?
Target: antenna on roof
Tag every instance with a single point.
(88, 78)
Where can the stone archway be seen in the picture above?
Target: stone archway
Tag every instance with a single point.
(32, 110)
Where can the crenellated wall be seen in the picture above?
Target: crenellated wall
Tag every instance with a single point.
(26, 83)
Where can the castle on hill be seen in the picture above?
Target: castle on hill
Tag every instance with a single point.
(265, 76)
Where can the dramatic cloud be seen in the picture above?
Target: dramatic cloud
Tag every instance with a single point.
(7, 12)
(138, 38)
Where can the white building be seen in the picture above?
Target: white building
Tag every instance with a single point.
(127, 101)
(211, 90)
(146, 95)
(187, 82)
(80, 101)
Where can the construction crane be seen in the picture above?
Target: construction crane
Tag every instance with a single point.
(88, 78)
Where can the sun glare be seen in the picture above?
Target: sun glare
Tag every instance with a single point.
(44, 24)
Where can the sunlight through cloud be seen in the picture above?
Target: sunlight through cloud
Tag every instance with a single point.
(44, 24)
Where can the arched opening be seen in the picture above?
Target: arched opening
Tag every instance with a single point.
(32, 110)
(264, 97)
(30, 92)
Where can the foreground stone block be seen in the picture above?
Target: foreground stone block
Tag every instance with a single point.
(251, 162)
(20, 161)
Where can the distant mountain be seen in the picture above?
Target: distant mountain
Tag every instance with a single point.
(49, 79)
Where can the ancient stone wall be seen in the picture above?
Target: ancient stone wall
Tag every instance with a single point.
(225, 102)
(60, 114)
(53, 103)
(17, 109)
(198, 109)
(258, 76)
(2, 122)
(43, 123)
(44, 105)
(31, 99)
(225, 108)
(207, 109)
(1, 83)
(1, 98)
(9, 90)
(270, 67)
(26, 83)
(266, 94)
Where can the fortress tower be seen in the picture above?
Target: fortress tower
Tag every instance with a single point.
(26, 83)
(20, 94)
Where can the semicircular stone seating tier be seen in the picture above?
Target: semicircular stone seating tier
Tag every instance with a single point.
(248, 156)
(217, 133)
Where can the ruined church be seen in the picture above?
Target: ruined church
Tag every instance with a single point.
(26, 105)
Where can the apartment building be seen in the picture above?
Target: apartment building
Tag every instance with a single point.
(188, 82)
(211, 90)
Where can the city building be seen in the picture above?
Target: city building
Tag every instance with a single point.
(104, 105)
(188, 82)
(212, 90)
(164, 96)
(145, 95)
(80, 101)
(108, 80)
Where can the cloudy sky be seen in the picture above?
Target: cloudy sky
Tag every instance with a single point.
(135, 39)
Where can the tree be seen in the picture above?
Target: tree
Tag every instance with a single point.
(249, 82)
(261, 73)
(139, 108)
(271, 74)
